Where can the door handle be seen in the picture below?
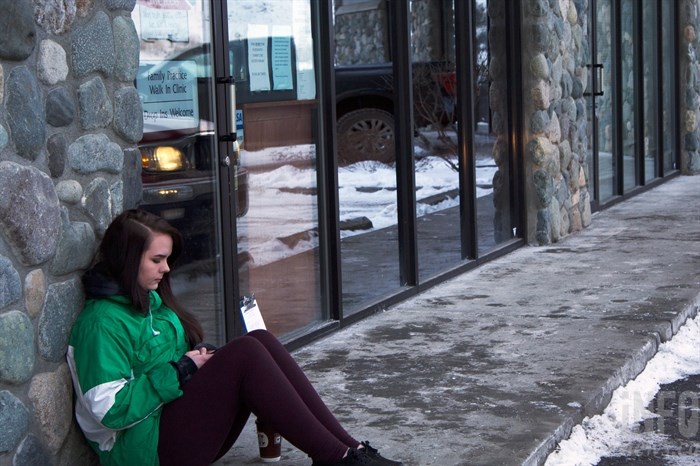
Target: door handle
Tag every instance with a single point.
(596, 79)
(232, 136)
(598, 73)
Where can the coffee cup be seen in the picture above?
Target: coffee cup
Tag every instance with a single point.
(269, 441)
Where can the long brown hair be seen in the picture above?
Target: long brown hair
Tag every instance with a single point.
(126, 239)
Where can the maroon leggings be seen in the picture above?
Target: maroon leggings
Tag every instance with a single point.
(251, 374)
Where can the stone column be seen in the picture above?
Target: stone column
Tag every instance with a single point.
(555, 44)
(70, 119)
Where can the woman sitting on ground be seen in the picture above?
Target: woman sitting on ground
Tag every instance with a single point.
(149, 392)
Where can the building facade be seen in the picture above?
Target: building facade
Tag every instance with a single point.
(330, 158)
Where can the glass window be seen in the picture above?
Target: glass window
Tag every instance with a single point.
(276, 106)
(652, 143)
(604, 104)
(668, 29)
(491, 135)
(436, 155)
(629, 92)
(367, 190)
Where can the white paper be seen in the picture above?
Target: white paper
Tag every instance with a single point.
(166, 24)
(252, 318)
(258, 58)
(282, 57)
(304, 48)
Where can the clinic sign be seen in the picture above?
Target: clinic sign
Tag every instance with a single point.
(168, 93)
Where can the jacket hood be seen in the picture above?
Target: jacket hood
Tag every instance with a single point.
(98, 283)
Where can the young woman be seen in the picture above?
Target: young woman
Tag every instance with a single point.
(149, 392)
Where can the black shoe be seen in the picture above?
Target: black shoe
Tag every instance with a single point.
(357, 457)
(374, 454)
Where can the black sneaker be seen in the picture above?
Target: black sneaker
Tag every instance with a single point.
(357, 457)
(374, 454)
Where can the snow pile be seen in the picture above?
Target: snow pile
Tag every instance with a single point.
(616, 431)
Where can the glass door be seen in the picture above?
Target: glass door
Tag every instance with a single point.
(600, 101)
(179, 152)
(229, 155)
(273, 71)
(628, 93)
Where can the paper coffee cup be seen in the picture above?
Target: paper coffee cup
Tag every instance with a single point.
(270, 443)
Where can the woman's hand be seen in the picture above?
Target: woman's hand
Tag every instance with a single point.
(199, 356)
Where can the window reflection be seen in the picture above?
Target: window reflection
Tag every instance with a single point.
(436, 155)
(178, 149)
(366, 154)
(604, 103)
(494, 213)
(629, 94)
(272, 51)
(667, 32)
(651, 86)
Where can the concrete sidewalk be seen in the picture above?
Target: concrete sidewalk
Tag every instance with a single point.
(496, 366)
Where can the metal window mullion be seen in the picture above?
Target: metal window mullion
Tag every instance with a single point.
(676, 89)
(327, 166)
(400, 39)
(515, 118)
(659, 89)
(464, 51)
(229, 249)
(593, 18)
(638, 72)
(618, 144)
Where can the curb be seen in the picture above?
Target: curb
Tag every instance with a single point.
(634, 366)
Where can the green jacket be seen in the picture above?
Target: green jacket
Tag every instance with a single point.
(120, 364)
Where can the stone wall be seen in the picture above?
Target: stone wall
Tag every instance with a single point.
(70, 119)
(361, 35)
(690, 86)
(555, 44)
(426, 31)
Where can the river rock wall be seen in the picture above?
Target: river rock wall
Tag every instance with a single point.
(70, 119)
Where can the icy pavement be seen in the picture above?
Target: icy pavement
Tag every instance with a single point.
(499, 364)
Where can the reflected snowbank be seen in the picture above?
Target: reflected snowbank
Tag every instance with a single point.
(282, 188)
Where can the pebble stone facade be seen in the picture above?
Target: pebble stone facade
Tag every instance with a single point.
(556, 143)
(70, 119)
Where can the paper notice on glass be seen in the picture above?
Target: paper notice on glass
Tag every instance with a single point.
(168, 92)
(306, 84)
(282, 57)
(304, 50)
(252, 318)
(258, 62)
